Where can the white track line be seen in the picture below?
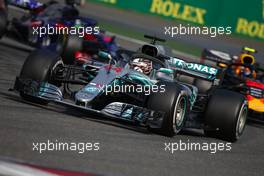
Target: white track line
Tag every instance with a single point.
(11, 169)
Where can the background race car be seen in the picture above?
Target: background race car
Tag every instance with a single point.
(242, 74)
(58, 17)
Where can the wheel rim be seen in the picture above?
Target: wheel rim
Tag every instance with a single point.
(241, 121)
(179, 113)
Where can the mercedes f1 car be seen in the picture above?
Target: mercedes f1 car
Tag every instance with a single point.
(243, 75)
(153, 91)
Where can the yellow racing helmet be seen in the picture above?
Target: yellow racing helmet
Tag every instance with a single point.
(246, 57)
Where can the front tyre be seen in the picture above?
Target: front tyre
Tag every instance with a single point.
(174, 103)
(38, 67)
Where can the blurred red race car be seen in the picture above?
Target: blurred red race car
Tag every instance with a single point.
(243, 75)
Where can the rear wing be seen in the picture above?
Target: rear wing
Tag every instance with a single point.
(193, 69)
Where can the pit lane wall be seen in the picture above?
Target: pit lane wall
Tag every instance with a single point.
(245, 17)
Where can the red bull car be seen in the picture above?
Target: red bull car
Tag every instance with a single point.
(255, 96)
(243, 74)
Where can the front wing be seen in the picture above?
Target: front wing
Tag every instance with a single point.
(115, 110)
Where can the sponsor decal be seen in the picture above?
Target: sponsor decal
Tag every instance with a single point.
(194, 66)
(250, 28)
(177, 10)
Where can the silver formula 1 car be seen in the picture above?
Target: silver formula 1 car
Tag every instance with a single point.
(151, 90)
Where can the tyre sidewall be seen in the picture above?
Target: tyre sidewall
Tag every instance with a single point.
(166, 102)
(39, 64)
(223, 112)
(38, 67)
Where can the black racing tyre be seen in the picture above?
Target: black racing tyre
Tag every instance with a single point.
(227, 114)
(38, 67)
(3, 22)
(73, 43)
(174, 102)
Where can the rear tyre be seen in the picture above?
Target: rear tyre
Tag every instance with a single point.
(174, 102)
(226, 113)
(73, 44)
(38, 67)
(3, 23)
